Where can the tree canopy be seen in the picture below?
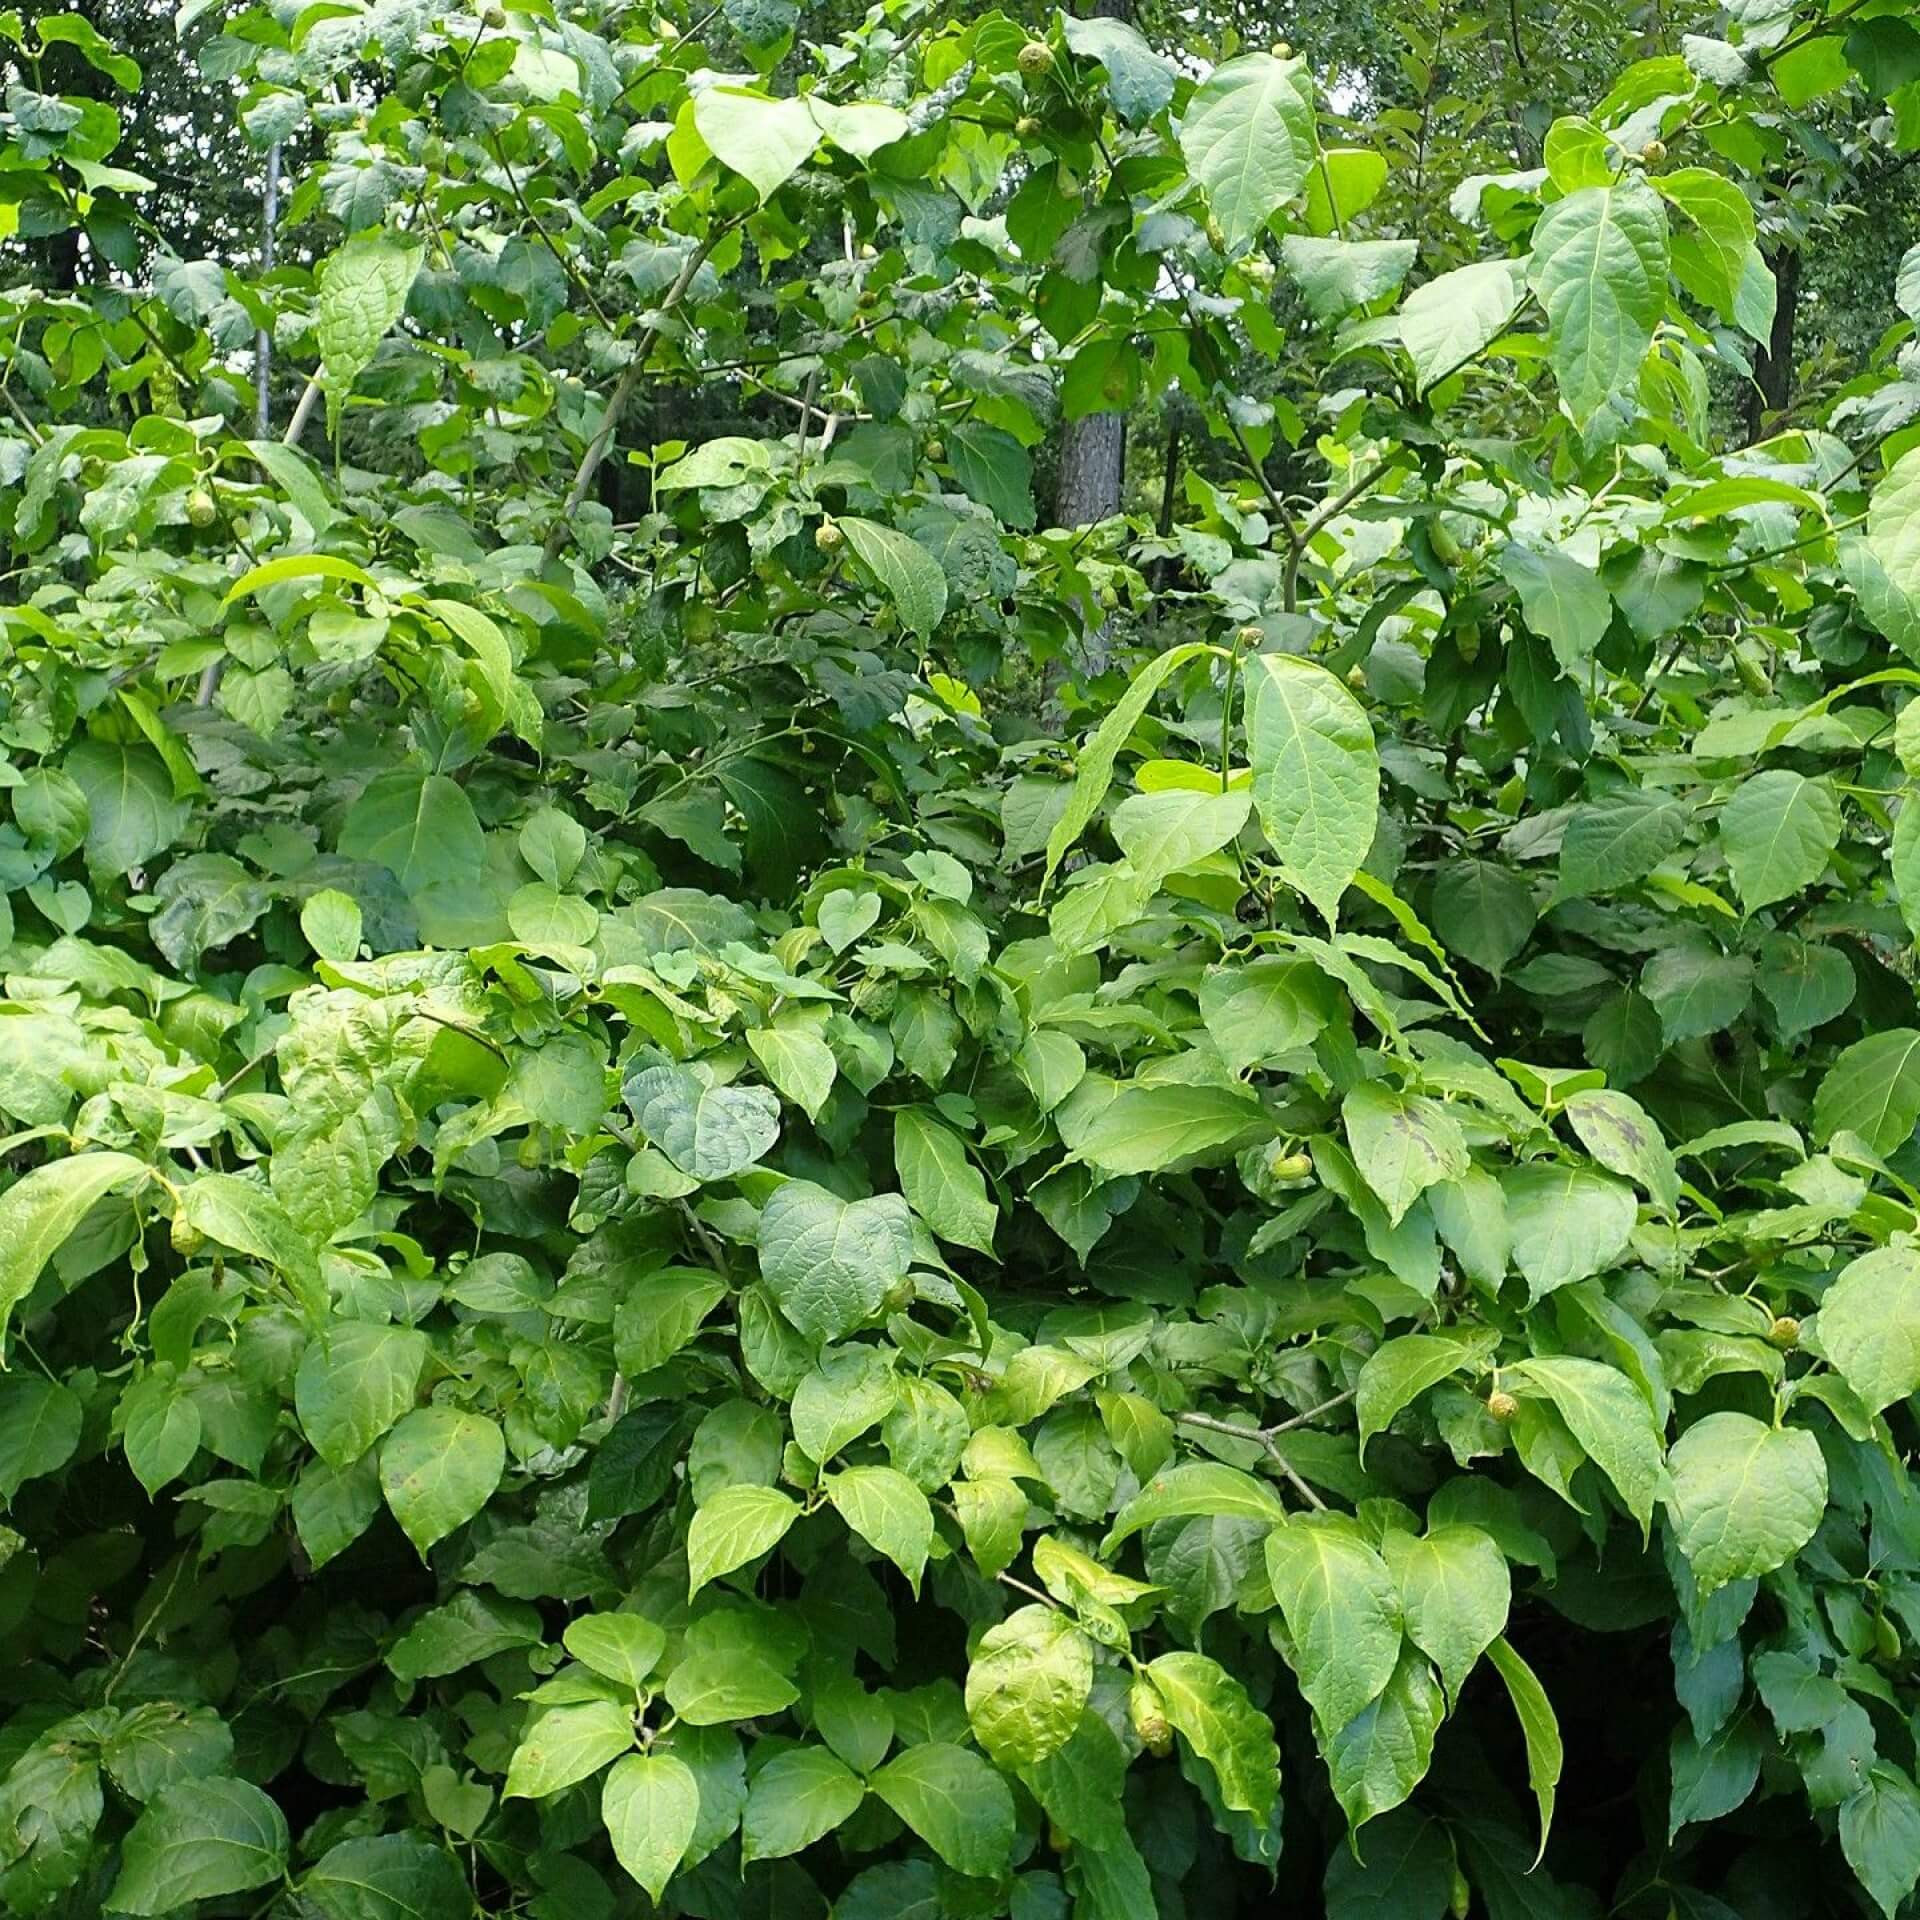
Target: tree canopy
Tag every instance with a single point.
(959, 967)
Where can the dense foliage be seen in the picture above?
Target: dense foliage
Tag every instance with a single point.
(695, 1221)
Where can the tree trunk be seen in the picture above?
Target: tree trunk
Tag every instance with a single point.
(1093, 451)
(1772, 389)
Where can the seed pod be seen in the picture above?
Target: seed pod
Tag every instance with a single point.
(1460, 1895)
(201, 509)
(936, 449)
(1886, 1638)
(495, 17)
(1356, 678)
(186, 1237)
(1502, 1405)
(1283, 50)
(1446, 548)
(1149, 1716)
(1036, 58)
(1250, 636)
(1784, 1333)
(1750, 674)
(1289, 1167)
(1028, 125)
(1654, 152)
(828, 537)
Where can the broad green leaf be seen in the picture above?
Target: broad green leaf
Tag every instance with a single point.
(1335, 276)
(1406, 1872)
(1380, 1756)
(1151, 1127)
(1872, 1089)
(831, 1263)
(1599, 268)
(1402, 1143)
(1778, 830)
(1342, 1613)
(1264, 1008)
(354, 1381)
(42, 1208)
(388, 1876)
(1746, 1497)
(132, 812)
(363, 291)
(198, 1839)
(1398, 1371)
(1027, 1682)
(1609, 1417)
(709, 1132)
(1893, 542)
(650, 1806)
(420, 826)
(331, 921)
(1715, 1775)
(1316, 774)
(795, 1799)
(1714, 240)
(1567, 1222)
(1165, 833)
(798, 1062)
(40, 1422)
(1139, 81)
(1454, 1595)
(1248, 137)
(942, 1185)
(1483, 912)
(1563, 600)
(473, 1626)
(765, 139)
(438, 1468)
(1626, 1139)
(623, 1646)
(955, 1802)
(993, 468)
(888, 1512)
(711, 1688)
(853, 1388)
(1210, 1710)
(1612, 842)
(566, 1744)
(914, 580)
(1447, 321)
(662, 1313)
(1869, 1326)
(1541, 1728)
(735, 1527)
(1199, 1487)
(1880, 1836)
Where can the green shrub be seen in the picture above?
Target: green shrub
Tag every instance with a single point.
(692, 1220)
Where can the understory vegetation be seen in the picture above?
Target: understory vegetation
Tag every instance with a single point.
(959, 966)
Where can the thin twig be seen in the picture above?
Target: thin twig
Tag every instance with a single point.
(623, 391)
(1337, 505)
